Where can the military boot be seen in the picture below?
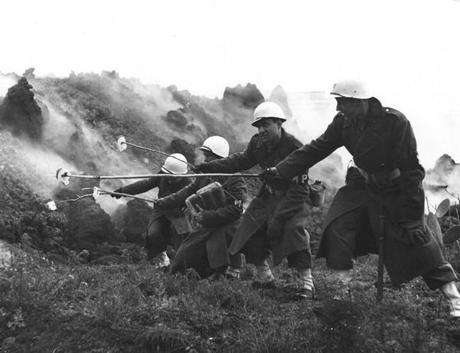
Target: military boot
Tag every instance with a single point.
(232, 273)
(163, 260)
(264, 277)
(451, 292)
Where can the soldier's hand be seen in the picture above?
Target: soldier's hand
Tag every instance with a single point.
(270, 174)
(117, 196)
(415, 235)
(197, 168)
(199, 216)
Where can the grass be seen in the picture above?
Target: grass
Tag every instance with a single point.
(46, 307)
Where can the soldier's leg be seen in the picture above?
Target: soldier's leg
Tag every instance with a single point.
(301, 261)
(192, 254)
(340, 239)
(236, 263)
(444, 278)
(157, 237)
(297, 238)
(257, 251)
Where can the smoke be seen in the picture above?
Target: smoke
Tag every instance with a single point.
(33, 165)
(311, 114)
(73, 138)
(443, 181)
(6, 81)
(57, 128)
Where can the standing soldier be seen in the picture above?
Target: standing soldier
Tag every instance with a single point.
(254, 237)
(216, 219)
(384, 149)
(165, 227)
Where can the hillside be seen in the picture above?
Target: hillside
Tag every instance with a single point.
(78, 279)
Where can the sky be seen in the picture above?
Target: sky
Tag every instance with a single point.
(407, 51)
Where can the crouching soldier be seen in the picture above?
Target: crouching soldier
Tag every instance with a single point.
(168, 227)
(215, 208)
(386, 183)
(280, 203)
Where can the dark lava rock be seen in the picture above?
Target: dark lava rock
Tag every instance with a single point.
(181, 146)
(20, 112)
(89, 224)
(176, 118)
(135, 221)
(248, 96)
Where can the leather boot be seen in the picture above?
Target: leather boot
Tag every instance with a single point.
(163, 260)
(306, 285)
(451, 292)
(264, 278)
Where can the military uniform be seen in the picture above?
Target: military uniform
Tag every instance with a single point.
(206, 249)
(384, 149)
(165, 227)
(251, 237)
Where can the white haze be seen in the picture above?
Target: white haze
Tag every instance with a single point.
(407, 50)
(34, 165)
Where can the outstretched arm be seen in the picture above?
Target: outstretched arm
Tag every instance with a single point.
(234, 163)
(308, 155)
(140, 186)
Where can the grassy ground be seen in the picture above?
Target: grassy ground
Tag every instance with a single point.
(135, 308)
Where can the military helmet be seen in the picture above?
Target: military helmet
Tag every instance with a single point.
(176, 163)
(350, 89)
(217, 145)
(267, 110)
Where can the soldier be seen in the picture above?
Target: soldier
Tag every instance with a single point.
(384, 149)
(165, 227)
(278, 200)
(206, 248)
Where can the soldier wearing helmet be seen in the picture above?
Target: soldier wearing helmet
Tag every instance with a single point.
(206, 248)
(168, 227)
(254, 237)
(387, 181)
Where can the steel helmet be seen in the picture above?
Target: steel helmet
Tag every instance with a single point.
(350, 89)
(176, 163)
(217, 145)
(268, 110)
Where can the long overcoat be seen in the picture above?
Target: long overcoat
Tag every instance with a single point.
(263, 208)
(217, 228)
(380, 144)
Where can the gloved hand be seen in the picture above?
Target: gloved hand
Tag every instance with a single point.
(269, 174)
(414, 234)
(199, 168)
(117, 196)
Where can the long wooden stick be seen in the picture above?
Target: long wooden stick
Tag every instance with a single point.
(145, 176)
(105, 192)
(159, 152)
(381, 238)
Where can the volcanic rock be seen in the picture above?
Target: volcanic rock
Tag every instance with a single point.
(20, 112)
(444, 165)
(279, 96)
(135, 221)
(247, 97)
(89, 225)
(181, 146)
(176, 118)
